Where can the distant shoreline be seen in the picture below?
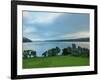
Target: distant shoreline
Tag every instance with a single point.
(68, 40)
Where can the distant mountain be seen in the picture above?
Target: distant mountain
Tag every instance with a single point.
(26, 39)
(77, 39)
(80, 39)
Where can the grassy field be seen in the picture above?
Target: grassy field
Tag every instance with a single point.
(56, 61)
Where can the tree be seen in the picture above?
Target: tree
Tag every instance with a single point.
(52, 52)
(25, 53)
(33, 53)
(29, 53)
(66, 51)
(58, 49)
(44, 54)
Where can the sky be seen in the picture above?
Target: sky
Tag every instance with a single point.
(54, 25)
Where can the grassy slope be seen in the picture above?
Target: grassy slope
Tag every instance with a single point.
(56, 61)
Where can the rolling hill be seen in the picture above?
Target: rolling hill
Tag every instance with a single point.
(77, 39)
(26, 39)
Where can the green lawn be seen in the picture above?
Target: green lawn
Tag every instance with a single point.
(56, 61)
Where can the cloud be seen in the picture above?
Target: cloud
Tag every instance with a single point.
(81, 34)
(39, 36)
(52, 26)
(40, 17)
(47, 18)
(29, 29)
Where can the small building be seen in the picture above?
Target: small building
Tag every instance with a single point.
(29, 54)
(74, 46)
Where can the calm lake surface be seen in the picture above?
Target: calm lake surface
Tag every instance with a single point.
(41, 47)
